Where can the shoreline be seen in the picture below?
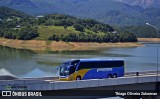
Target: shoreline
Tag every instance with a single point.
(42, 45)
(148, 39)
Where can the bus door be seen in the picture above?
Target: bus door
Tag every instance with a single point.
(72, 72)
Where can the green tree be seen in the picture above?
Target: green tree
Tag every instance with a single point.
(49, 23)
(10, 34)
(54, 37)
(27, 34)
(1, 33)
(128, 37)
(59, 22)
(65, 27)
(78, 27)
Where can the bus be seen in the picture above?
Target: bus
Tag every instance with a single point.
(91, 69)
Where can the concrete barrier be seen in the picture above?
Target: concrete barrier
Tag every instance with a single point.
(127, 80)
(35, 84)
(144, 79)
(7, 77)
(59, 85)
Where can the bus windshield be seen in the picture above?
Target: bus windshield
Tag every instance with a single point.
(64, 70)
(68, 68)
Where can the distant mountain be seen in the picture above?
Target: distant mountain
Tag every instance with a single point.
(88, 7)
(95, 9)
(106, 11)
(21, 5)
(142, 3)
(17, 3)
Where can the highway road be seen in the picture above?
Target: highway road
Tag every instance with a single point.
(53, 79)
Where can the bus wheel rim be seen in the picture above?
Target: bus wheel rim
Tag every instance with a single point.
(78, 78)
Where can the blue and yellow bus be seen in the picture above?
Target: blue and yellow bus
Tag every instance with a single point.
(91, 69)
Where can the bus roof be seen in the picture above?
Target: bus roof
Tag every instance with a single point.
(92, 60)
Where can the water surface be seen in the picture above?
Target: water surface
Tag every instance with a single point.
(26, 63)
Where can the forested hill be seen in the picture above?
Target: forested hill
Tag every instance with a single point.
(58, 27)
(6, 13)
(141, 31)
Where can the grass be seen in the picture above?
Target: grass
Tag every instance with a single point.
(46, 31)
(148, 39)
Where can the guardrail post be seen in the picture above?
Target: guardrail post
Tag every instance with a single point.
(137, 73)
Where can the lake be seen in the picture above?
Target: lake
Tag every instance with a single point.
(25, 63)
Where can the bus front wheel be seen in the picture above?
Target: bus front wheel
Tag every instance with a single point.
(78, 78)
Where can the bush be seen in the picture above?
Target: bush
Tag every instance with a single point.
(95, 37)
(54, 37)
(49, 23)
(10, 34)
(78, 27)
(27, 34)
(1, 33)
(128, 37)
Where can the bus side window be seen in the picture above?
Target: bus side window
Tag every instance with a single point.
(72, 69)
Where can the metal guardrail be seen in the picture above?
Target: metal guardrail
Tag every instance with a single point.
(141, 73)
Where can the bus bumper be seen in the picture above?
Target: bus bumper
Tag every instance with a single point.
(64, 78)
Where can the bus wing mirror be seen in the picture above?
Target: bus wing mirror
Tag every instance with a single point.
(58, 67)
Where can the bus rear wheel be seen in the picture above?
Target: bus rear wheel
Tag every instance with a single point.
(109, 76)
(78, 78)
(114, 75)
